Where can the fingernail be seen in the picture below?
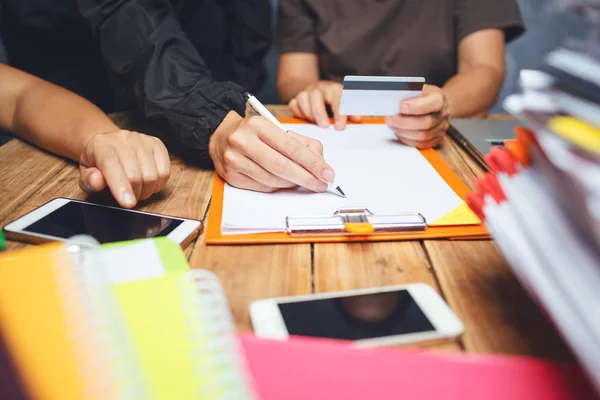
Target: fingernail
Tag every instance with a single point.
(405, 108)
(322, 187)
(323, 123)
(128, 198)
(328, 175)
(86, 187)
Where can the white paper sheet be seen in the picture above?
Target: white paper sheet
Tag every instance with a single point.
(372, 167)
(130, 263)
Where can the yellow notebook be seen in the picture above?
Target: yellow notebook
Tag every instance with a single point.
(183, 336)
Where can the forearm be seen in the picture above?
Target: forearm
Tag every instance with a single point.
(473, 92)
(55, 119)
(289, 88)
(148, 55)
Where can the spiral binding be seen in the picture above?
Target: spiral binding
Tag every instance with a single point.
(212, 334)
(108, 367)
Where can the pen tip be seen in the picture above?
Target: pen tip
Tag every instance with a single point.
(341, 191)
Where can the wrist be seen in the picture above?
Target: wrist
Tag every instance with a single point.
(229, 124)
(88, 137)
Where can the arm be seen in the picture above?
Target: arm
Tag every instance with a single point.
(148, 54)
(149, 57)
(250, 37)
(474, 89)
(307, 96)
(423, 121)
(296, 72)
(51, 117)
(132, 165)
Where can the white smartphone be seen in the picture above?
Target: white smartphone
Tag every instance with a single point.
(371, 317)
(61, 219)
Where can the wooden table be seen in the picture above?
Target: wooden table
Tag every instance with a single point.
(471, 275)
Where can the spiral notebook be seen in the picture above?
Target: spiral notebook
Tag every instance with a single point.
(129, 321)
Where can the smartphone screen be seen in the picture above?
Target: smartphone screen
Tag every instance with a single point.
(103, 223)
(356, 317)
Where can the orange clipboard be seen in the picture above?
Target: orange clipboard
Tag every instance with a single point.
(214, 236)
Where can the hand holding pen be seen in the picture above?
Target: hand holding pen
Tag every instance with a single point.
(255, 154)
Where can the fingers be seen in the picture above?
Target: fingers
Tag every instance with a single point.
(163, 164)
(431, 100)
(149, 172)
(423, 139)
(129, 161)
(295, 108)
(434, 141)
(235, 161)
(284, 167)
(312, 144)
(317, 107)
(297, 158)
(132, 165)
(243, 182)
(271, 159)
(334, 97)
(91, 180)
(413, 123)
(304, 105)
(116, 178)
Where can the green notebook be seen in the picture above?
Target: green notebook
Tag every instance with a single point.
(180, 326)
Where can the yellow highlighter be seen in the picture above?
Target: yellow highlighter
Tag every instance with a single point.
(577, 132)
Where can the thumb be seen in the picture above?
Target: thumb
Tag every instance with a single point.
(412, 106)
(92, 179)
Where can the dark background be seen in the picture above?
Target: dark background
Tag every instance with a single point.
(546, 29)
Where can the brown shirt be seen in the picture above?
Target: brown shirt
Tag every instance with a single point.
(390, 37)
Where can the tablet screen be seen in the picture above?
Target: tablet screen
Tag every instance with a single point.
(105, 224)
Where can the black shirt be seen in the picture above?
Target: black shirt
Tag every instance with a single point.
(135, 54)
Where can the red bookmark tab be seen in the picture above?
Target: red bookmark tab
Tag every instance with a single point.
(502, 160)
(475, 202)
(489, 184)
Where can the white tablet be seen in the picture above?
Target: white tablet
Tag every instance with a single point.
(61, 219)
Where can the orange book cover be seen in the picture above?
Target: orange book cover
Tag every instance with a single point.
(35, 324)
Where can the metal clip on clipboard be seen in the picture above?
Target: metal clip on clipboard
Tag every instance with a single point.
(354, 221)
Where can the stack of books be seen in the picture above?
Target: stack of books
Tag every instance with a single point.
(542, 200)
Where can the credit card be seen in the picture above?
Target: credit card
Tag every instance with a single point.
(378, 95)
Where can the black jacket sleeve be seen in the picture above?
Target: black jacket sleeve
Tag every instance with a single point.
(250, 36)
(151, 61)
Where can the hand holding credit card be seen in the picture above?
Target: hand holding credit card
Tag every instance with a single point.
(378, 95)
(416, 112)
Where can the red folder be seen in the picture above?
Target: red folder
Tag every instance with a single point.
(323, 369)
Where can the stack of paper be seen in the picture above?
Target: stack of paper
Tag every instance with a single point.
(542, 202)
(374, 169)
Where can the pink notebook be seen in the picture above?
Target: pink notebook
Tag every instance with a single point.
(315, 369)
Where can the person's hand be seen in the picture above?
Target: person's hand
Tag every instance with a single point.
(422, 121)
(132, 165)
(255, 154)
(311, 104)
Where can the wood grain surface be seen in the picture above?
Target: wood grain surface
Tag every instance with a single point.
(472, 276)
